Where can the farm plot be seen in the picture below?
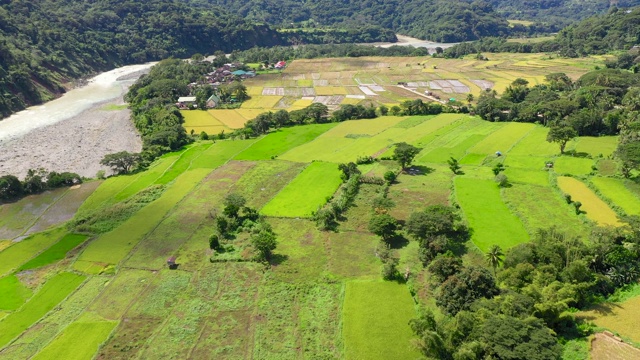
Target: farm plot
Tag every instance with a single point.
(501, 140)
(113, 246)
(229, 117)
(14, 256)
(297, 321)
(619, 317)
(182, 164)
(573, 166)
(120, 293)
(534, 144)
(66, 346)
(616, 191)
(262, 182)
(541, 207)
(597, 146)
(17, 217)
(415, 192)
(53, 292)
(261, 102)
(54, 322)
(595, 209)
(220, 152)
(13, 293)
(185, 218)
(456, 142)
(65, 208)
(374, 312)
(351, 255)
(487, 214)
(270, 91)
(56, 252)
(363, 127)
(332, 100)
(303, 245)
(449, 86)
(330, 90)
(199, 120)
(526, 176)
(332, 147)
(315, 183)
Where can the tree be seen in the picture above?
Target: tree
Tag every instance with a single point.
(508, 337)
(383, 110)
(121, 162)
(383, 225)
(561, 135)
(390, 177)
(459, 291)
(629, 154)
(264, 242)
(433, 221)
(443, 266)
(494, 257)
(10, 187)
(497, 169)
(453, 165)
(348, 170)
(232, 204)
(470, 98)
(280, 118)
(405, 153)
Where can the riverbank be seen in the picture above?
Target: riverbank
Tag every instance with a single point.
(75, 131)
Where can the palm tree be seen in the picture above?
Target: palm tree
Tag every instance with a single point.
(494, 257)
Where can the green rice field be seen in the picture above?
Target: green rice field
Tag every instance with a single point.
(315, 183)
(67, 294)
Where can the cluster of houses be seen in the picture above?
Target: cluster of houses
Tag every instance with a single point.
(222, 75)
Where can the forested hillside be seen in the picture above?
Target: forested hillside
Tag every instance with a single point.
(557, 13)
(437, 20)
(616, 30)
(45, 43)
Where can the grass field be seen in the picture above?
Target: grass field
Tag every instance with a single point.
(621, 318)
(68, 346)
(54, 291)
(615, 190)
(21, 252)
(13, 293)
(595, 209)
(281, 141)
(314, 184)
(487, 214)
(566, 165)
(322, 296)
(112, 247)
(56, 252)
(375, 312)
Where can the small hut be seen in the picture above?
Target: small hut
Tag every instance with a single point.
(171, 262)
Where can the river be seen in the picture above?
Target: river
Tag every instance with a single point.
(73, 132)
(104, 87)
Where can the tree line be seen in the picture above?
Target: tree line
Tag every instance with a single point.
(35, 182)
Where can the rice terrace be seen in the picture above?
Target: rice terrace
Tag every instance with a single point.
(96, 283)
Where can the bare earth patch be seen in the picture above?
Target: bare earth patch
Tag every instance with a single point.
(605, 347)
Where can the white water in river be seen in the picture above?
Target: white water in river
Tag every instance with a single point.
(103, 87)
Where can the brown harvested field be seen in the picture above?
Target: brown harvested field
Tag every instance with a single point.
(226, 335)
(621, 318)
(65, 208)
(604, 347)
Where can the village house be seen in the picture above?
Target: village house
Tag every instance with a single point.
(186, 102)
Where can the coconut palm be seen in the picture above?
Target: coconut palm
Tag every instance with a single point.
(494, 257)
